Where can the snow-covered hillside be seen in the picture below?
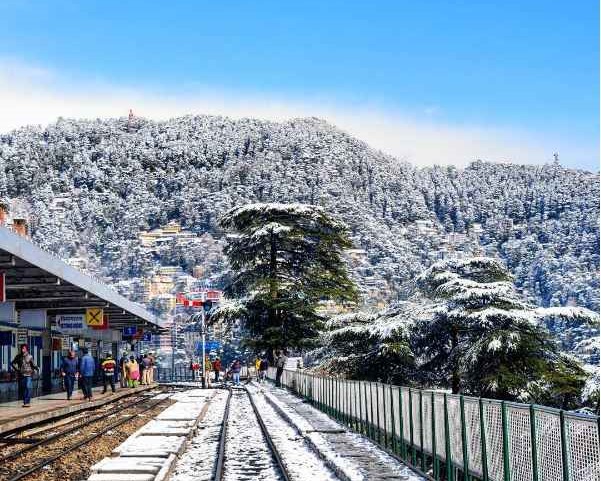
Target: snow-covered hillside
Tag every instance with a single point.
(115, 179)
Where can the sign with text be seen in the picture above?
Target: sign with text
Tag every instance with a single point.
(21, 337)
(70, 322)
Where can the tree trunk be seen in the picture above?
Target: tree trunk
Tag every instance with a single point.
(455, 380)
(273, 291)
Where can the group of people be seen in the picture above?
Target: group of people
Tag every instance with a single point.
(137, 371)
(216, 368)
(261, 366)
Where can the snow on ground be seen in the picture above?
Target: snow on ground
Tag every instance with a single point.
(198, 462)
(300, 460)
(351, 452)
(247, 455)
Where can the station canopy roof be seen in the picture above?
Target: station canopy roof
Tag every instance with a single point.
(36, 279)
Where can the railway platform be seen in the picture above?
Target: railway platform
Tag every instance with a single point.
(14, 416)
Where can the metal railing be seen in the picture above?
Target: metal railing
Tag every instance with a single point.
(454, 437)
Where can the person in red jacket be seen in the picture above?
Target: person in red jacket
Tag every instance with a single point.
(108, 369)
(217, 368)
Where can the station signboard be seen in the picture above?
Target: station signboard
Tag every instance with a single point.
(74, 323)
(21, 336)
(129, 331)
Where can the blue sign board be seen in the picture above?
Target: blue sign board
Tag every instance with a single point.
(147, 336)
(209, 346)
(130, 331)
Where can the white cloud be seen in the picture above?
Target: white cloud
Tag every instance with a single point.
(33, 95)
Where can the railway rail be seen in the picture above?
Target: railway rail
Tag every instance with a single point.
(21, 463)
(23, 436)
(250, 460)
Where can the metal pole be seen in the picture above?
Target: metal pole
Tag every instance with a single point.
(564, 446)
(392, 421)
(434, 457)
(413, 457)
(421, 430)
(483, 442)
(447, 436)
(533, 443)
(173, 333)
(466, 464)
(506, 466)
(203, 335)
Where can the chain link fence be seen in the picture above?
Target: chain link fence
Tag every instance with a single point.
(454, 437)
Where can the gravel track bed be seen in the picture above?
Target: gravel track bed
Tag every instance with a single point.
(56, 427)
(75, 465)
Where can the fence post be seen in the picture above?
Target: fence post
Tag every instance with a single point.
(506, 465)
(386, 434)
(413, 456)
(447, 440)
(371, 411)
(466, 461)
(378, 412)
(533, 443)
(401, 426)
(564, 446)
(434, 457)
(365, 425)
(483, 441)
(421, 430)
(392, 422)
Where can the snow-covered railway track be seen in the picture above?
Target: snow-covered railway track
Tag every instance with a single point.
(257, 443)
(246, 450)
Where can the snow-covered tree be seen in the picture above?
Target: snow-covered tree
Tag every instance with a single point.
(285, 258)
(370, 346)
(483, 338)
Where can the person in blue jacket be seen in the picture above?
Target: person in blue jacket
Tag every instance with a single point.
(69, 371)
(87, 368)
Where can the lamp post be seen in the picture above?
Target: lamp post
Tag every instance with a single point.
(203, 341)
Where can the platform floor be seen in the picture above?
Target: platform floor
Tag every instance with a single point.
(13, 415)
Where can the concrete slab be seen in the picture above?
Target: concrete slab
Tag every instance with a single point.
(121, 477)
(129, 465)
(182, 412)
(151, 446)
(167, 428)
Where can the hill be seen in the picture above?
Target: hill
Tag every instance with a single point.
(92, 186)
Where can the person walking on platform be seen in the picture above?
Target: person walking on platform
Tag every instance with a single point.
(87, 368)
(132, 371)
(141, 366)
(69, 372)
(263, 366)
(257, 365)
(24, 366)
(151, 369)
(123, 373)
(280, 363)
(217, 368)
(146, 370)
(108, 372)
(235, 370)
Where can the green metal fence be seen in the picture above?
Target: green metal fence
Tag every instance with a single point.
(454, 437)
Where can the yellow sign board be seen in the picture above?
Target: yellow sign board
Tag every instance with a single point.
(94, 317)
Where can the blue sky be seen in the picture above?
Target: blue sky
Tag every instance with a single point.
(498, 80)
